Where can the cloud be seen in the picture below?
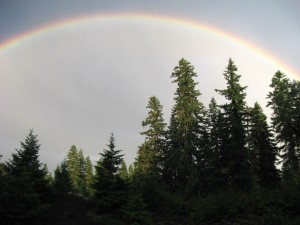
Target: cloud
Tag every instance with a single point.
(76, 86)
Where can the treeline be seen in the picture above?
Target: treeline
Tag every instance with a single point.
(221, 164)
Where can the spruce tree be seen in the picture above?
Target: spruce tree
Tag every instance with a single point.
(213, 177)
(263, 149)
(108, 186)
(234, 155)
(148, 154)
(170, 157)
(284, 102)
(27, 188)
(62, 181)
(183, 154)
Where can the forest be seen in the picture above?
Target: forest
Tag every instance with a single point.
(223, 164)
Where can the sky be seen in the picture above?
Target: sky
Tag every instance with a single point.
(78, 82)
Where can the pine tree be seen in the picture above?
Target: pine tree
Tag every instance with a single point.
(109, 187)
(263, 149)
(74, 168)
(284, 101)
(148, 154)
(185, 132)
(234, 156)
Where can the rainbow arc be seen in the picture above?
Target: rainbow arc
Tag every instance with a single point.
(14, 42)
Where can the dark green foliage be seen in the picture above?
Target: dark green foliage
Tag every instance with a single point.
(181, 153)
(109, 187)
(26, 191)
(262, 149)
(68, 209)
(62, 181)
(149, 152)
(89, 177)
(20, 203)
(284, 101)
(80, 171)
(134, 210)
(123, 171)
(255, 208)
(234, 154)
(82, 183)
(213, 177)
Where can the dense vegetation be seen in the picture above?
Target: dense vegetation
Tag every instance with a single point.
(218, 165)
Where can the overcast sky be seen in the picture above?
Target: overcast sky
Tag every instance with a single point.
(76, 85)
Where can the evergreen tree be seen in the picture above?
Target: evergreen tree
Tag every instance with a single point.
(183, 154)
(263, 149)
(170, 157)
(74, 168)
(123, 170)
(109, 187)
(134, 211)
(147, 160)
(213, 178)
(48, 175)
(131, 171)
(89, 176)
(82, 175)
(234, 156)
(27, 188)
(284, 101)
(62, 181)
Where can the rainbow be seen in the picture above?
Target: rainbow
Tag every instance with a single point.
(14, 42)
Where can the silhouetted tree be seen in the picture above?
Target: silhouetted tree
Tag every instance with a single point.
(182, 154)
(234, 155)
(284, 101)
(109, 187)
(62, 181)
(263, 149)
(26, 186)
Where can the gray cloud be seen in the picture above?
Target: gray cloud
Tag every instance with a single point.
(75, 86)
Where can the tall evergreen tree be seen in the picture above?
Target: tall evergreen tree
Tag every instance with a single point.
(213, 177)
(147, 160)
(26, 161)
(82, 175)
(234, 155)
(62, 181)
(27, 188)
(89, 176)
(185, 131)
(108, 186)
(263, 149)
(74, 167)
(284, 101)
